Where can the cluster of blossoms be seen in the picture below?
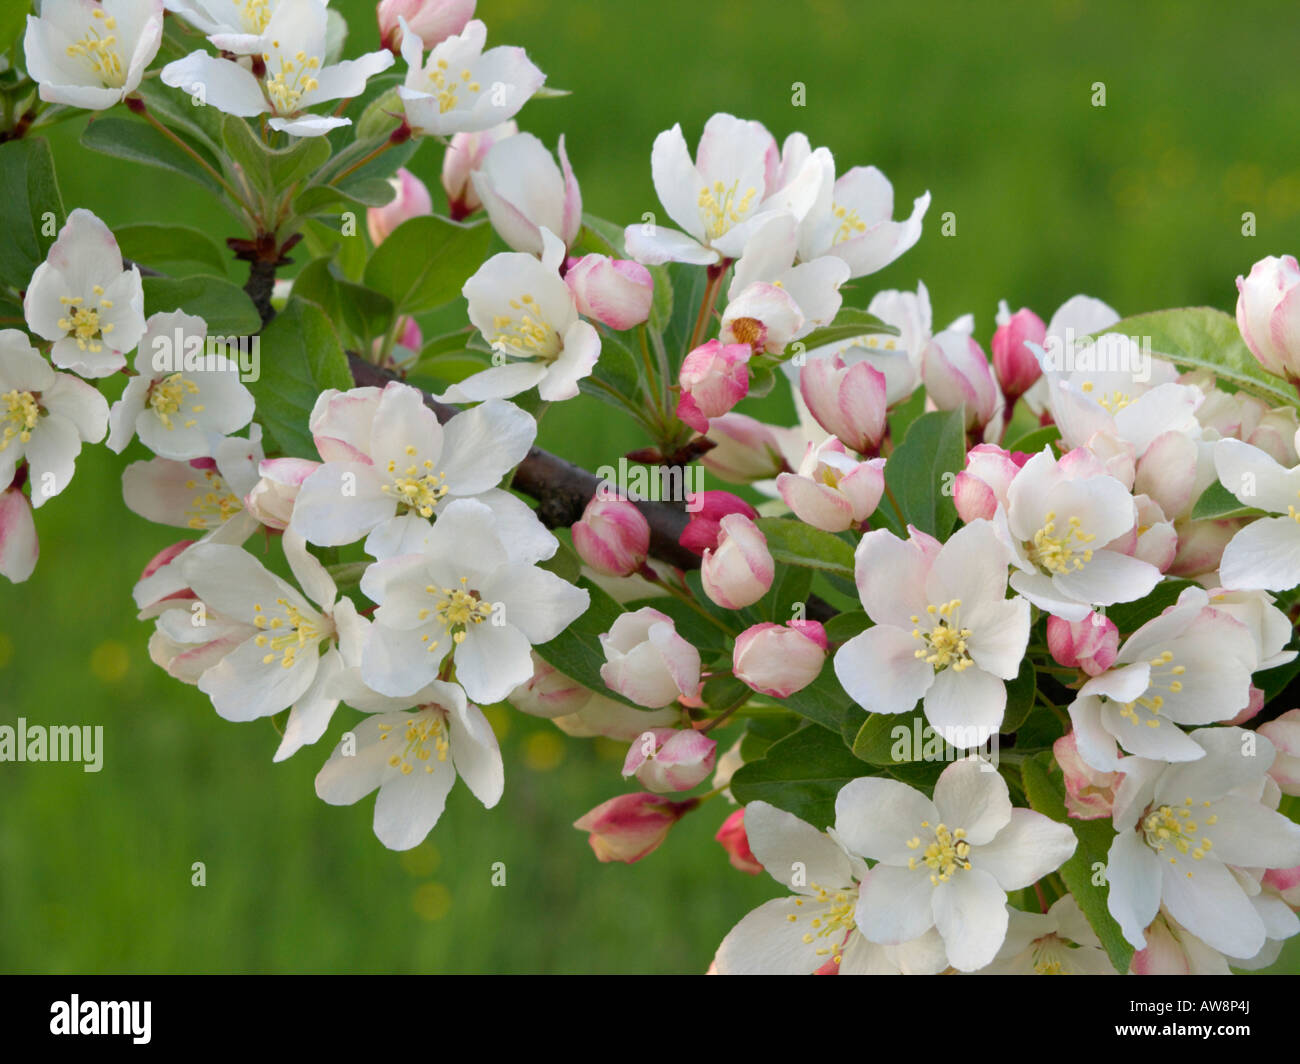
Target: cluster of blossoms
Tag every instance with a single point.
(1072, 563)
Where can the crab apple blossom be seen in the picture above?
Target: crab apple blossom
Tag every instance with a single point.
(631, 826)
(646, 661)
(848, 401)
(1057, 942)
(614, 292)
(1090, 644)
(1265, 554)
(581, 712)
(707, 509)
(1189, 666)
(19, 547)
(386, 457)
(944, 630)
(1014, 364)
(203, 494)
(739, 570)
(1269, 626)
(291, 78)
(1062, 516)
(177, 411)
(271, 499)
(92, 55)
(780, 659)
(526, 312)
(1171, 949)
(732, 838)
(523, 191)
(946, 863)
(832, 490)
(1268, 314)
(466, 598)
(411, 199)
(764, 317)
(1089, 794)
(1078, 316)
(84, 300)
(411, 750)
(433, 21)
(815, 926)
(464, 155)
(1284, 734)
(670, 759)
(1182, 828)
(612, 536)
(295, 651)
(956, 373)
(981, 487)
(745, 450)
(45, 417)
(714, 377)
(460, 88)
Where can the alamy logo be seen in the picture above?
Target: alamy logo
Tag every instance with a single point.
(1108, 353)
(58, 742)
(102, 1017)
(641, 483)
(183, 352)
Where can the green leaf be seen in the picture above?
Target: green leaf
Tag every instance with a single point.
(576, 652)
(367, 314)
(13, 18)
(31, 210)
(140, 143)
(620, 369)
(801, 773)
(788, 596)
(426, 261)
(1218, 502)
(848, 324)
(324, 200)
(823, 701)
(381, 116)
(247, 152)
(878, 741)
(1206, 338)
(1130, 616)
(225, 307)
(795, 543)
(923, 468)
(762, 732)
(301, 357)
(1275, 680)
(1033, 442)
(164, 247)
(724, 690)
(1095, 837)
(1020, 698)
(843, 627)
(288, 166)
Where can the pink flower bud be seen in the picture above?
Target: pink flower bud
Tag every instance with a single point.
(956, 373)
(272, 498)
(550, 693)
(707, 509)
(463, 156)
(832, 491)
(780, 659)
(1200, 546)
(734, 840)
(411, 201)
(614, 292)
(670, 759)
(433, 21)
(739, 571)
(714, 378)
(1089, 794)
(646, 661)
(1091, 644)
(1268, 314)
(847, 401)
(613, 536)
(630, 826)
(1284, 734)
(746, 450)
(982, 486)
(19, 547)
(1015, 365)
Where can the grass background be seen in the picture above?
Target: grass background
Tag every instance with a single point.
(1139, 202)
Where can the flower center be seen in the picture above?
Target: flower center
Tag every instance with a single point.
(719, 207)
(748, 331)
(1112, 403)
(82, 322)
(948, 853)
(167, 397)
(456, 608)
(1064, 553)
(255, 15)
(850, 224)
(529, 334)
(1049, 956)
(20, 416)
(1168, 826)
(426, 740)
(417, 487)
(214, 505)
(834, 921)
(99, 52)
(1154, 703)
(287, 634)
(447, 86)
(291, 82)
(944, 645)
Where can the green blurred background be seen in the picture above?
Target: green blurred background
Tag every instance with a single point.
(989, 107)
